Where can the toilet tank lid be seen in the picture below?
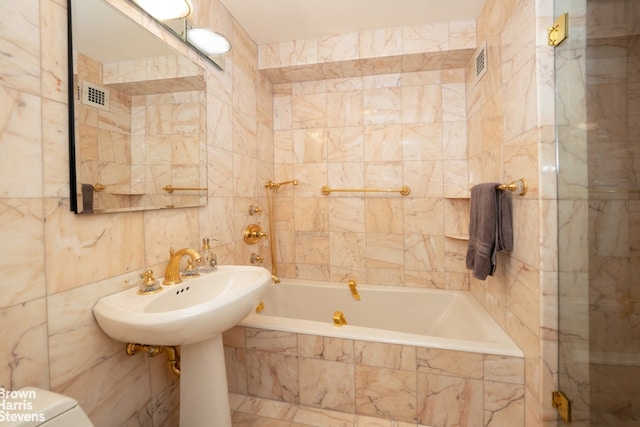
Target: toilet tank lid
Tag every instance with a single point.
(40, 404)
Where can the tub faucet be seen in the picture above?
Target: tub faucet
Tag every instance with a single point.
(354, 291)
(172, 273)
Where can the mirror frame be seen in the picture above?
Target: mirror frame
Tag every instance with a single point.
(72, 143)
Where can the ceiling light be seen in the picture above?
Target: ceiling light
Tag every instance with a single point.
(208, 41)
(166, 9)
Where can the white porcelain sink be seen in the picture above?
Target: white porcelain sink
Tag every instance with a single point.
(189, 312)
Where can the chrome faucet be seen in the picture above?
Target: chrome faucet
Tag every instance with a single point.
(172, 273)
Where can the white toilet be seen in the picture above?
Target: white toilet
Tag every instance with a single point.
(31, 407)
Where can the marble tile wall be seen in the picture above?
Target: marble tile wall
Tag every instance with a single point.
(393, 382)
(55, 264)
(381, 131)
(511, 134)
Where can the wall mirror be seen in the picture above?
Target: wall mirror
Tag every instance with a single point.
(137, 116)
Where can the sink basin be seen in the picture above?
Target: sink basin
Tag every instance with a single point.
(189, 312)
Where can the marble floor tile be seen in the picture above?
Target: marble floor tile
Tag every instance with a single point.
(249, 411)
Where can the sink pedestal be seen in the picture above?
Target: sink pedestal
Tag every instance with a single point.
(204, 397)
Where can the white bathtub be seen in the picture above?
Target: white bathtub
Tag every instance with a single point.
(398, 315)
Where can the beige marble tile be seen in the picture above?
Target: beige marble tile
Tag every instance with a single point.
(385, 355)
(448, 362)
(273, 376)
(111, 374)
(68, 319)
(386, 393)
(267, 408)
(327, 384)
(338, 47)
(24, 276)
(271, 341)
(449, 401)
(382, 42)
(306, 416)
(20, 39)
(83, 242)
(25, 345)
(325, 348)
(503, 404)
(20, 144)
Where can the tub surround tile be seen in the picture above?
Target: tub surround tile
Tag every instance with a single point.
(504, 404)
(449, 401)
(385, 393)
(326, 348)
(327, 384)
(273, 376)
(385, 355)
(379, 380)
(447, 362)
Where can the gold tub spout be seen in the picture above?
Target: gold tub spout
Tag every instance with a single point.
(354, 291)
(338, 319)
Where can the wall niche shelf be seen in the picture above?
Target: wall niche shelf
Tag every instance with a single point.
(456, 218)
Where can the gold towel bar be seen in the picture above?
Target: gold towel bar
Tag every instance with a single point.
(404, 190)
(171, 188)
(519, 186)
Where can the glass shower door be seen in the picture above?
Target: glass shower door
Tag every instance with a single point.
(598, 134)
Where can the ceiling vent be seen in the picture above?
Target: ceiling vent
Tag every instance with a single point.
(480, 62)
(95, 96)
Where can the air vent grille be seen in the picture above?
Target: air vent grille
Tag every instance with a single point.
(95, 96)
(480, 61)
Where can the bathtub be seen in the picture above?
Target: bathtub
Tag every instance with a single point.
(440, 319)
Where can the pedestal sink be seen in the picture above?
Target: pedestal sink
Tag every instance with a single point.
(192, 314)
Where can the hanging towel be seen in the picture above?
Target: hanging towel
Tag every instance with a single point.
(490, 228)
(87, 198)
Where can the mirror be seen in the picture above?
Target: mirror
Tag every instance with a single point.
(137, 116)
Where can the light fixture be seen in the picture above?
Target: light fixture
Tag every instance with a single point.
(163, 10)
(208, 41)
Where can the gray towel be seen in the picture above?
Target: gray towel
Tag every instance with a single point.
(490, 228)
(87, 198)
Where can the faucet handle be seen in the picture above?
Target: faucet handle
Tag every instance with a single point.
(147, 278)
(149, 283)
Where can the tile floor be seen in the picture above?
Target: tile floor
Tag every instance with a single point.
(248, 411)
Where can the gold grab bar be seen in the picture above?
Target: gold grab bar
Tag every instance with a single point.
(404, 190)
(171, 188)
(519, 186)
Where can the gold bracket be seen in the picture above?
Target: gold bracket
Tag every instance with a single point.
(559, 31)
(562, 404)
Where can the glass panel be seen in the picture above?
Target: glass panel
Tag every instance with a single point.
(598, 129)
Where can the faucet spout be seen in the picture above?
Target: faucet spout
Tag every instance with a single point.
(172, 272)
(354, 291)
